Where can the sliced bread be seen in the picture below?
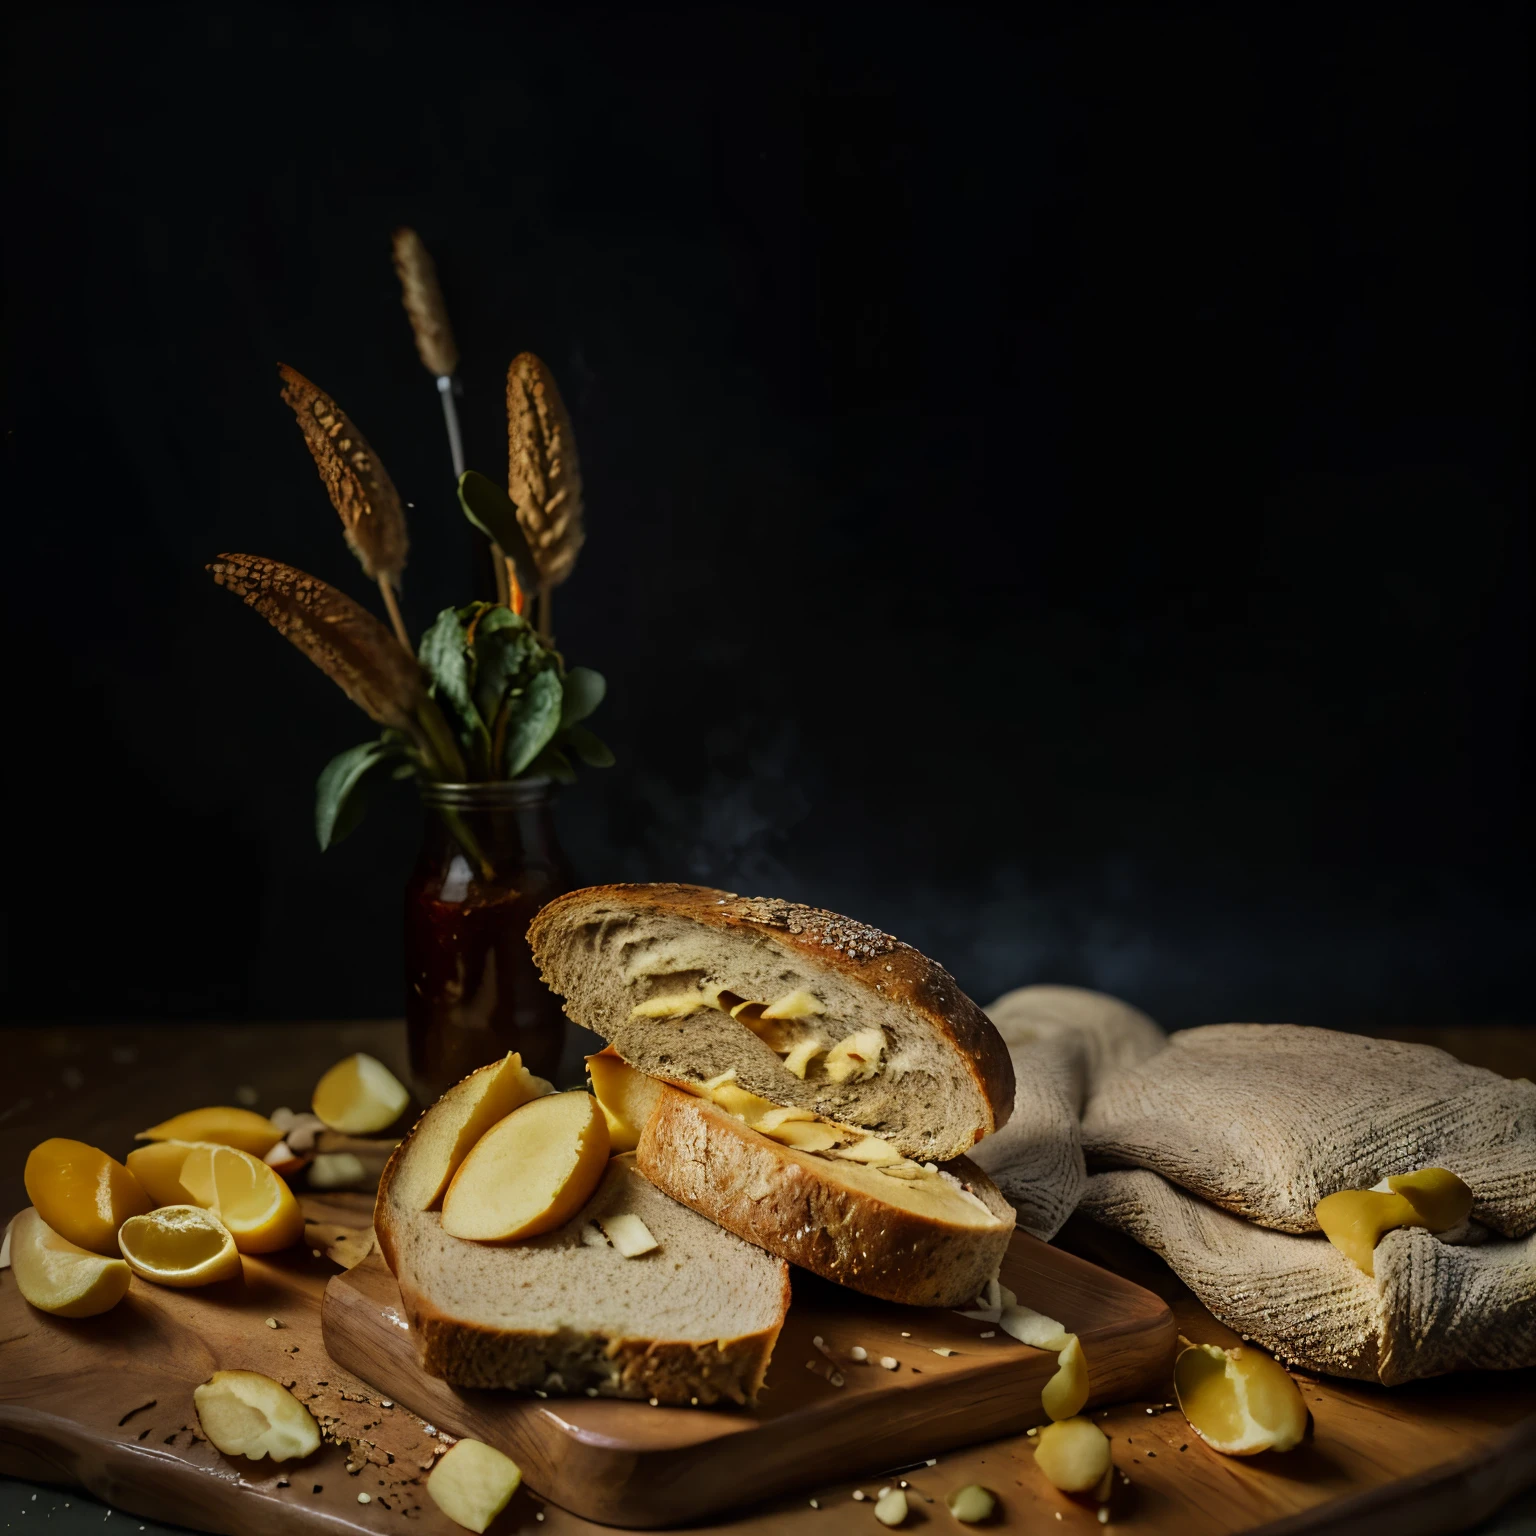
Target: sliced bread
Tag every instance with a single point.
(808, 1009)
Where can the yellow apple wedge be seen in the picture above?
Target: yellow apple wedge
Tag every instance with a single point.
(627, 1097)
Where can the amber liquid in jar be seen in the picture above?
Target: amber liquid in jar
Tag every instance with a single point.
(489, 860)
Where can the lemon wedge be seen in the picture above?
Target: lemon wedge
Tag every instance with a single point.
(227, 1126)
(253, 1203)
(61, 1277)
(1238, 1400)
(157, 1167)
(180, 1246)
(359, 1096)
(83, 1194)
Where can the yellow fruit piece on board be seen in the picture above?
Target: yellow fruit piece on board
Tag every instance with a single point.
(83, 1194)
(1065, 1393)
(244, 1413)
(1239, 1401)
(627, 1097)
(1072, 1455)
(473, 1483)
(157, 1167)
(61, 1277)
(360, 1096)
(180, 1246)
(256, 1206)
(229, 1127)
(529, 1173)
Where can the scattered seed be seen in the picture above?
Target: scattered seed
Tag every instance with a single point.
(945, 1352)
(655, 1402)
(890, 1362)
(272, 1322)
(858, 1352)
(1104, 1514)
(814, 1504)
(991, 1333)
(365, 1498)
(932, 1461)
(905, 1334)
(389, 1402)
(858, 1493)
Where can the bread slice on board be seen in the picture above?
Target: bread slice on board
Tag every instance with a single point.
(689, 983)
(928, 1242)
(693, 1320)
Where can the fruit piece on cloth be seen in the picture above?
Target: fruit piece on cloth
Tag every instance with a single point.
(359, 1095)
(531, 1172)
(180, 1246)
(244, 1413)
(1356, 1220)
(1239, 1400)
(473, 1483)
(242, 1128)
(256, 1206)
(1065, 1393)
(61, 1277)
(1073, 1455)
(83, 1194)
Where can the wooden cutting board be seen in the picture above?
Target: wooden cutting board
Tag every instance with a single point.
(821, 1416)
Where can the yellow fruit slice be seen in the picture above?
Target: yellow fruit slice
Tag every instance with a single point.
(256, 1206)
(1064, 1395)
(244, 1413)
(180, 1246)
(530, 1172)
(59, 1276)
(359, 1096)
(473, 1483)
(83, 1194)
(1238, 1400)
(627, 1097)
(242, 1128)
(157, 1167)
(1073, 1455)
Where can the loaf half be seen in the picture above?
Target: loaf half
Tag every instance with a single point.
(931, 1242)
(683, 981)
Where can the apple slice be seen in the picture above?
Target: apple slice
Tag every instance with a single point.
(59, 1276)
(359, 1096)
(244, 1413)
(627, 1097)
(529, 1173)
(473, 1483)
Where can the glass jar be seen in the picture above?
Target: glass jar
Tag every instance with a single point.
(489, 860)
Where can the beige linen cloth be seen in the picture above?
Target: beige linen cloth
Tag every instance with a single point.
(1261, 1121)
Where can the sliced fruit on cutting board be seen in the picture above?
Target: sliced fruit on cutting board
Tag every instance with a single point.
(456, 1122)
(180, 1246)
(360, 1095)
(1073, 1455)
(61, 1277)
(158, 1166)
(473, 1483)
(1238, 1400)
(256, 1206)
(83, 1194)
(244, 1413)
(229, 1127)
(531, 1172)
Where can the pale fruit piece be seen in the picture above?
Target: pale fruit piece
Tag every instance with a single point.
(1072, 1455)
(891, 1508)
(455, 1123)
(256, 1206)
(628, 1234)
(856, 1056)
(531, 1172)
(627, 1097)
(158, 1166)
(1065, 1393)
(972, 1504)
(229, 1127)
(1033, 1328)
(360, 1095)
(83, 1194)
(244, 1413)
(1355, 1220)
(180, 1246)
(61, 1277)
(473, 1483)
(1239, 1400)
(1439, 1199)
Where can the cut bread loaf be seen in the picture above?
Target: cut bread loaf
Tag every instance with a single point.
(694, 1319)
(933, 1240)
(808, 1009)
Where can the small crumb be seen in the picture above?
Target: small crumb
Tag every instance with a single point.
(282, 1482)
(314, 1253)
(1151, 1454)
(932, 1461)
(818, 1341)
(904, 1484)
(365, 1498)
(538, 1393)
(905, 1334)
(430, 1429)
(858, 1494)
(655, 1402)
(1058, 1514)
(1104, 1514)
(1031, 1432)
(814, 1504)
(991, 1333)
(272, 1322)
(1183, 1447)
(316, 1488)
(538, 1514)
(858, 1352)
(890, 1362)
(945, 1352)
(388, 1402)
(693, 1402)
(591, 1391)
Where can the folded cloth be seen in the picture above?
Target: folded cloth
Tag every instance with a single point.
(1266, 1119)
(1431, 1307)
(1065, 1042)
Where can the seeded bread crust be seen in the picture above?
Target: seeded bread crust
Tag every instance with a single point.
(890, 972)
(793, 1205)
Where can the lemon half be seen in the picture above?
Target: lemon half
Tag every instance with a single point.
(181, 1246)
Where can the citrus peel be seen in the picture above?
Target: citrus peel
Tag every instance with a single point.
(221, 1123)
(179, 1246)
(81, 1193)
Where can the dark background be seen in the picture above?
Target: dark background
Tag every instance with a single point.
(1056, 480)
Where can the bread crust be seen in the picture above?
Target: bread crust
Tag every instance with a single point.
(858, 952)
(792, 1204)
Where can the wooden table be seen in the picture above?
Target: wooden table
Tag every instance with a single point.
(101, 1084)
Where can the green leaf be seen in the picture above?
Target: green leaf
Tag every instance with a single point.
(505, 648)
(535, 717)
(552, 763)
(584, 691)
(341, 793)
(589, 747)
(446, 655)
(490, 509)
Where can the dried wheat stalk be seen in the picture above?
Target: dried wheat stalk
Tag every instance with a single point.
(543, 476)
(424, 304)
(345, 641)
(359, 486)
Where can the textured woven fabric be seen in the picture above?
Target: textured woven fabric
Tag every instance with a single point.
(1431, 1308)
(1264, 1120)
(1065, 1042)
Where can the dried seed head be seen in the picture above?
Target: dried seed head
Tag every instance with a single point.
(423, 299)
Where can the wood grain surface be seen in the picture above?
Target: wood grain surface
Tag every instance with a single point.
(1433, 1456)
